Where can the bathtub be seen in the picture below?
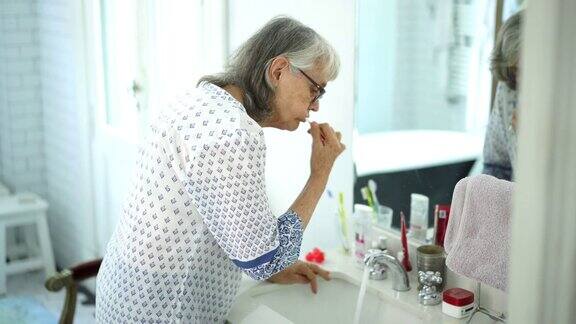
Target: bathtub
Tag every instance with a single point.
(429, 162)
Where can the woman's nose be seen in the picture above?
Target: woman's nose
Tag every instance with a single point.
(315, 106)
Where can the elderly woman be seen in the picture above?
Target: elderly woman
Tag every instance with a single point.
(198, 214)
(500, 143)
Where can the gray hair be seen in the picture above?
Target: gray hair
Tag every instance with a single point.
(281, 36)
(506, 53)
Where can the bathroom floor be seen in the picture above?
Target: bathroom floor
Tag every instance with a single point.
(31, 285)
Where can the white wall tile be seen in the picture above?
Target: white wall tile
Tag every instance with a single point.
(15, 8)
(9, 52)
(22, 94)
(19, 37)
(16, 66)
(28, 51)
(9, 23)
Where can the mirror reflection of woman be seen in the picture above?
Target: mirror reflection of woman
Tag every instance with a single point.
(500, 142)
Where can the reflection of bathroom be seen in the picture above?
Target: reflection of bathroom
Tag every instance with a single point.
(424, 94)
(408, 226)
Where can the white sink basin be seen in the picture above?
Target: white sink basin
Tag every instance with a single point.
(335, 303)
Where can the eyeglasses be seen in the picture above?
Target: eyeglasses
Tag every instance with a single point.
(319, 88)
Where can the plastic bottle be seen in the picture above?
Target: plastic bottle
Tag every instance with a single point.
(418, 216)
(380, 244)
(441, 216)
(361, 223)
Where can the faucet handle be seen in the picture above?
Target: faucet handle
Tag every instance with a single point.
(429, 278)
(428, 294)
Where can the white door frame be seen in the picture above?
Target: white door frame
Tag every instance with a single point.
(95, 100)
(542, 279)
(105, 137)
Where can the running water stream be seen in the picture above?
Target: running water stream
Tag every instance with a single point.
(361, 295)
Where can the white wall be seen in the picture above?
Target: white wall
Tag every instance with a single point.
(67, 136)
(289, 153)
(21, 133)
(542, 281)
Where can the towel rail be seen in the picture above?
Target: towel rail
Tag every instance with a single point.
(479, 309)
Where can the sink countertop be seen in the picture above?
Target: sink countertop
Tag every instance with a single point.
(345, 266)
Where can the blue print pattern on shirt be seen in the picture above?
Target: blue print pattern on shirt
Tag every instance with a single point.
(290, 232)
(198, 208)
(499, 171)
(500, 142)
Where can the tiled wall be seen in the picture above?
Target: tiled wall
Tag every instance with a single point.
(22, 164)
(423, 65)
(44, 139)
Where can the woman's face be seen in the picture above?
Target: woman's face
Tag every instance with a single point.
(293, 96)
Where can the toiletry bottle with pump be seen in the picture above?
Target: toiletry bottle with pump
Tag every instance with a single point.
(362, 222)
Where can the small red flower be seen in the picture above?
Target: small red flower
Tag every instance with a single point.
(316, 255)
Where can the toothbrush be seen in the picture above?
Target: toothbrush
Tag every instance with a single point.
(367, 195)
(322, 136)
(372, 185)
(406, 261)
(342, 214)
(341, 218)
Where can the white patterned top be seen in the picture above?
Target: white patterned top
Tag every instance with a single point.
(197, 215)
(500, 142)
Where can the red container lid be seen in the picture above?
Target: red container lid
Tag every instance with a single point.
(458, 297)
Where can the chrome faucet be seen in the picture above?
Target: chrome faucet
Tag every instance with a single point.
(380, 259)
(378, 270)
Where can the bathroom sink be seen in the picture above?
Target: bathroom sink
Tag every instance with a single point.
(335, 302)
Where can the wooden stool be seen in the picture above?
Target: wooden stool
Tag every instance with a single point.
(19, 210)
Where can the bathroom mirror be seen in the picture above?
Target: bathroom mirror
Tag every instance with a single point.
(423, 96)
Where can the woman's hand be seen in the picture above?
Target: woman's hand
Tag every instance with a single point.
(301, 272)
(326, 147)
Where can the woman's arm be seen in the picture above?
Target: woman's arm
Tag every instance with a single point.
(497, 161)
(326, 147)
(224, 177)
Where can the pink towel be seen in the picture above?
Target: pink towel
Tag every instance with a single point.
(478, 235)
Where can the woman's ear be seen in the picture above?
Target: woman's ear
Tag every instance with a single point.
(276, 68)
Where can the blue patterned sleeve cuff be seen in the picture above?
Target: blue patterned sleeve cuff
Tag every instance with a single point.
(289, 238)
